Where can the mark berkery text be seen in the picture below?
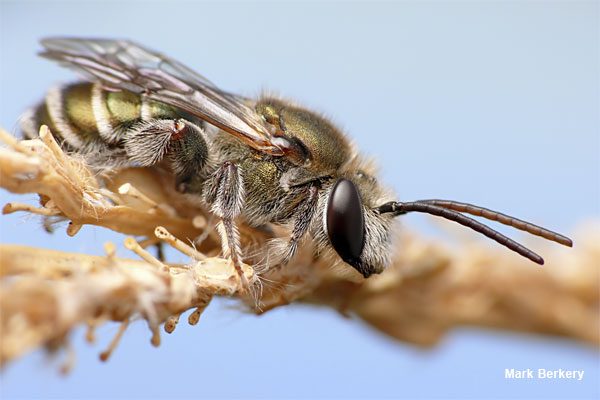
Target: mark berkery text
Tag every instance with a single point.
(542, 373)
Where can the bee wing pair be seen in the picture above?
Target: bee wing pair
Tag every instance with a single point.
(124, 65)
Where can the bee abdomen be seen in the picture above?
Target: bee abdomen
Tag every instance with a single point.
(86, 118)
(68, 112)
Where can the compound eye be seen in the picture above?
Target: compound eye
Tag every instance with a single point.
(345, 221)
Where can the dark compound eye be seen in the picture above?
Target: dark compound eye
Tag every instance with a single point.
(345, 221)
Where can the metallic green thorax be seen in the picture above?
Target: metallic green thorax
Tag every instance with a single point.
(326, 148)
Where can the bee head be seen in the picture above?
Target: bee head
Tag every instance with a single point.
(358, 228)
(359, 235)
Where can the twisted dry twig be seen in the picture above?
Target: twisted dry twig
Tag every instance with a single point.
(429, 288)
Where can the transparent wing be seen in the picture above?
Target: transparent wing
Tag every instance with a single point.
(122, 64)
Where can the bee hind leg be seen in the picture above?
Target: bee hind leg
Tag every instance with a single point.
(180, 141)
(225, 194)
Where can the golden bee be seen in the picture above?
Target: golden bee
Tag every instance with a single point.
(266, 160)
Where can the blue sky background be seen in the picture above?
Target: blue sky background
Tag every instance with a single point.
(494, 103)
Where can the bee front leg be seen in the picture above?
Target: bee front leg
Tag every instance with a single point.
(225, 194)
(303, 215)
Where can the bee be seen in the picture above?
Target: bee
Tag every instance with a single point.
(263, 161)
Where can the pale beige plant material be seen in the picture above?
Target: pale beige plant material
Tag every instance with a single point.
(430, 288)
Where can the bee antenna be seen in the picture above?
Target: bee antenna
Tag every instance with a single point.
(503, 219)
(452, 210)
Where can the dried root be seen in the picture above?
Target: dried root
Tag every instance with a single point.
(44, 294)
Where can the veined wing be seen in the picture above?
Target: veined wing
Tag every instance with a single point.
(124, 65)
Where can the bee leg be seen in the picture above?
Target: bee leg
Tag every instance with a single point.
(225, 193)
(181, 141)
(304, 213)
(188, 153)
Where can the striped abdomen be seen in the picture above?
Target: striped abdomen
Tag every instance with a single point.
(86, 118)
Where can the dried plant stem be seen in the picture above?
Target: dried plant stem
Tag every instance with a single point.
(39, 166)
(66, 289)
(431, 289)
(44, 294)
